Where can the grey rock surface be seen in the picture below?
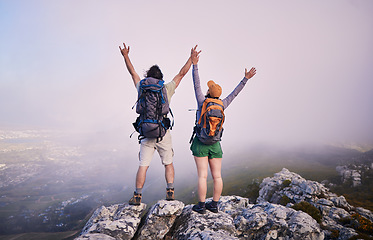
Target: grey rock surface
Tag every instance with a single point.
(271, 217)
(119, 221)
(95, 236)
(192, 225)
(160, 219)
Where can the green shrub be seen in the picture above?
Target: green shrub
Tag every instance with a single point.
(286, 183)
(309, 209)
(284, 200)
(361, 236)
(359, 223)
(363, 224)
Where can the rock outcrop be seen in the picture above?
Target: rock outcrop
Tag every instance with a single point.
(349, 174)
(160, 219)
(119, 221)
(288, 207)
(289, 188)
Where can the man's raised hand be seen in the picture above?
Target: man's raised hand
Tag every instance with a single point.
(125, 50)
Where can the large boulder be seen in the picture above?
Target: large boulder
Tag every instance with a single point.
(238, 219)
(192, 225)
(160, 219)
(272, 221)
(291, 186)
(288, 188)
(119, 221)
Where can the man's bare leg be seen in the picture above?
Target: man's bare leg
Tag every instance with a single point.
(169, 173)
(140, 181)
(141, 176)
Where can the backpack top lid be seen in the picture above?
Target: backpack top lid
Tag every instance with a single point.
(152, 95)
(151, 83)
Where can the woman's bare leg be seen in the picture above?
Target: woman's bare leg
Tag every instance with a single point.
(202, 170)
(215, 167)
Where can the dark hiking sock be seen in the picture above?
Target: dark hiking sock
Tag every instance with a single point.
(138, 190)
(170, 185)
(201, 204)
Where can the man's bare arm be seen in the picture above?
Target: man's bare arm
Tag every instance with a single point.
(125, 51)
(184, 70)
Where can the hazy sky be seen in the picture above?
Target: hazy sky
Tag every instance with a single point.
(60, 65)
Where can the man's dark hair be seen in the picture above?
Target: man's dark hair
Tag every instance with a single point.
(155, 72)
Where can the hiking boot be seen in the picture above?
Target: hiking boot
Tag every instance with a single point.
(136, 199)
(212, 207)
(170, 195)
(200, 209)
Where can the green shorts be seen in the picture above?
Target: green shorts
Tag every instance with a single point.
(202, 150)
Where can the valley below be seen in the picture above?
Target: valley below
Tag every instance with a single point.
(49, 187)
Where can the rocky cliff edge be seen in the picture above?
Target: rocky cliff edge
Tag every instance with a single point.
(288, 207)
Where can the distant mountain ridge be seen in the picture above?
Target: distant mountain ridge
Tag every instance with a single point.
(288, 207)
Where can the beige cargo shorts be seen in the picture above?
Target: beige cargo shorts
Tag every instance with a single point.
(164, 149)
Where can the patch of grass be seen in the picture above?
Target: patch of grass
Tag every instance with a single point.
(361, 196)
(309, 209)
(361, 237)
(286, 183)
(284, 200)
(359, 223)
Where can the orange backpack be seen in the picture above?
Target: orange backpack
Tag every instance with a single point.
(209, 127)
